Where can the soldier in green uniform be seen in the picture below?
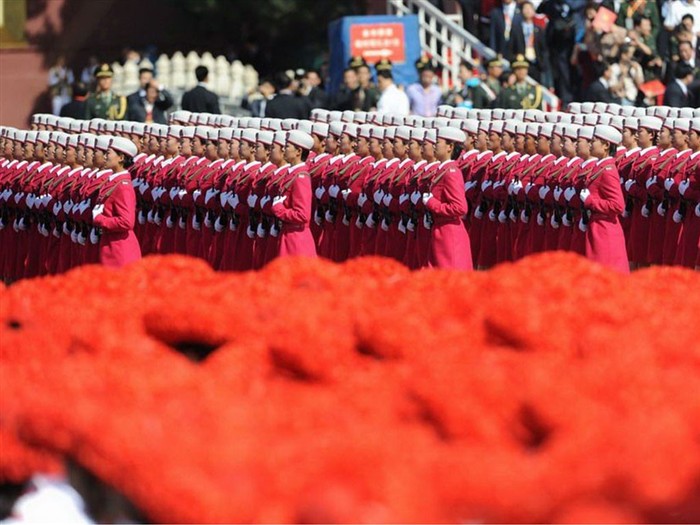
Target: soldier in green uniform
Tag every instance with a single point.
(104, 103)
(522, 94)
(486, 93)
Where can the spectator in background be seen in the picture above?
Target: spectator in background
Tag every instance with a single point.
(487, 91)
(626, 76)
(257, 102)
(600, 89)
(677, 93)
(201, 99)
(76, 107)
(286, 103)
(528, 39)
(60, 80)
(633, 10)
(351, 96)
(425, 95)
(86, 76)
(677, 9)
(311, 88)
(463, 94)
(392, 100)
(149, 104)
(560, 37)
(688, 57)
(503, 18)
(645, 48)
(369, 90)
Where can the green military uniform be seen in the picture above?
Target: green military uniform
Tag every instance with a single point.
(635, 8)
(521, 95)
(105, 104)
(486, 93)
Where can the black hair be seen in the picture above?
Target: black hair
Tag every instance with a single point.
(457, 151)
(201, 72)
(682, 71)
(639, 19)
(385, 74)
(128, 161)
(79, 89)
(601, 67)
(687, 15)
(282, 81)
(612, 149)
(684, 42)
(305, 154)
(145, 70)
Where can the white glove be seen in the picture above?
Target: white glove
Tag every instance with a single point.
(544, 190)
(195, 223)
(260, 231)
(94, 238)
(524, 218)
(173, 192)
(169, 222)
(328, 216)
(492, 216)
(378, 195)
(181, 193)
(141, 217)
(557, 192)
(697, 210)
(677, 217)
(553, 222)
(584, 194)
(410, 226)
(65, 229)
(361, 199)
(157, 219)
(485, 184)
(370, 223)
(629, 184)
(646, 211)
(540, 220)
(565, 221)
(210, 194)
(56, 232)
(401, 227)
(668, 184)
(660, 209)
(569, 193)
(196, 193)
(426, 223)
(84, 205)
(274, 230)
(358, 223)
(264, 201)
(529, 186)
(30, 201)
(333, 191)
(251, 200)
(384, 225)
(651, 181)
(97, 210)
(181, 223)
(415, 197)
(279, 200)
(517, 186)
(223, 198)
(18, 197)
(232, 226)
(318, 219)
(426, 197)
(403, 198)
(345, 220)
(318, 192)
(469, 185)
(57, 207)
(74, 237)
(387, 199)
(250, 232)
(207, 220)
(233, 201)
(499, 184)
(143, 188)
(155, 192)
(502, 217)
(149, 216)
(81, 239)
(478, 213)
(581, 226)
(346, 193)
(683, 186)
(67, 206)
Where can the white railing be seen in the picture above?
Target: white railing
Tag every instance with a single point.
(448, 43)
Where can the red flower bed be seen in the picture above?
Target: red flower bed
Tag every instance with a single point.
(550, 390)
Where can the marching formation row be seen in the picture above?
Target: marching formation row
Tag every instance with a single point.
(470, 188)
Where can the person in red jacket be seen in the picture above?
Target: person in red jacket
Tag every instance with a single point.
(603, 203)
(292, 206)
(115, 212)
(447, 204)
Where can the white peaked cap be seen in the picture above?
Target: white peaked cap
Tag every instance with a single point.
(631, 123)
(175, 131)
(280, 138)
(608, 134)
(682, 124)
(320, 115)
(301, 139)
(390, 132)
(124, 146)
(546, 130)
(335, 128)
(571, 131)
(652, 123)
(103, 142)
(496, 126)
(266, 137)
(377, 132)
(225, 133)
(351, 129)
(249, 135)
(305, 125)
(617, 122)
(418, 134)
(320, 128)
(451, 134)
(586, 132)
(695, 124)
(188, 132)
(403, 133)
(430, 136)
(364, 131)
(470, 125)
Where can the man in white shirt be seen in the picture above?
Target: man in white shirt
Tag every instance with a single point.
(392, 100)
(678, 9)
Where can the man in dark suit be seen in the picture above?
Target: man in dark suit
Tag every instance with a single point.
(286, 103)
(200, 99)
(503, 19)
(76, 107)
(599, 89)
(677, 93)
(150, 107)
(527, 39)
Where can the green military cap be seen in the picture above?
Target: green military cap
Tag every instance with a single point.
(495, 62)
(104, 71)
(423, 63)
(519, 62)
(384, 65)
(357, 61)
